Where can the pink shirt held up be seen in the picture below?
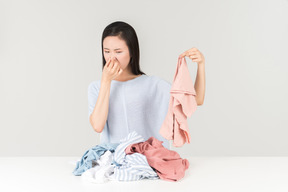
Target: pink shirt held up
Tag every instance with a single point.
(182, 104)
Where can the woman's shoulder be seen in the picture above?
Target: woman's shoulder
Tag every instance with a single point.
(161, 81)
(95, 84)
(158, 79)
(161, 84)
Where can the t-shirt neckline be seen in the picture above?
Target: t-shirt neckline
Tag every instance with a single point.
(131, 80)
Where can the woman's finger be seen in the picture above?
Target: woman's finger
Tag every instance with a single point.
(112, 63)
(108, 62)
(193, 56)
(120, 71)
(115, 65)
(183, 54)
(193, 53)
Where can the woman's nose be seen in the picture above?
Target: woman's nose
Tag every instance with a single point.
(113, 57)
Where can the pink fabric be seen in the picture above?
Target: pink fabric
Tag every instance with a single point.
(182, 104)
(167, 163)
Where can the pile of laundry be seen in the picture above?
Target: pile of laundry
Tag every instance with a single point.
(130, 160)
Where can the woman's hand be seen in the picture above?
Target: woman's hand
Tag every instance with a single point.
(195, 55)
(199, 85)
(111, 69)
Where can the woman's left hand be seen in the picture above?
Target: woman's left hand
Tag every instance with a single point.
(195, 55)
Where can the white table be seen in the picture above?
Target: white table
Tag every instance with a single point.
(211, 174)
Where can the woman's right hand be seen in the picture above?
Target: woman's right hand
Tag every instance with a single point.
(111, 69)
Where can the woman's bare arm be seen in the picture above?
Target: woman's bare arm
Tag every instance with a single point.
(200, 84)
(99, 115)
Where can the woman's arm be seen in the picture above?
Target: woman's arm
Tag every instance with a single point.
(99, 115)
(196, 56)
(200, 84)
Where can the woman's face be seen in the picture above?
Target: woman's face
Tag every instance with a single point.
(114, 46)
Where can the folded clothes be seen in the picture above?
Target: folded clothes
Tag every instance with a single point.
(167, 163)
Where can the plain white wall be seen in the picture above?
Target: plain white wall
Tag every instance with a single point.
(51, 50)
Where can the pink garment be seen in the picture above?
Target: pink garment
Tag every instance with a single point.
(182, 104)
(167, 163)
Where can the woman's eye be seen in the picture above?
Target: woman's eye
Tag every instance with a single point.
(108, 52)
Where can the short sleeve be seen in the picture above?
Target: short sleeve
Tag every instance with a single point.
(162, 98)
(93, 92)
(163, 88)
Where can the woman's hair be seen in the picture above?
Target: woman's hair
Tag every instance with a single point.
(127, 33)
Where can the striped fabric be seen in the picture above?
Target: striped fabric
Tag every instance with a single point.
(119, 155)
(131, 167)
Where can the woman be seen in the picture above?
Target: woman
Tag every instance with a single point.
(126, 99)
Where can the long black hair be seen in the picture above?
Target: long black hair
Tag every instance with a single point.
(127, 33)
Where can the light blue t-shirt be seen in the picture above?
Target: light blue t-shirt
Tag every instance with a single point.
(139, 104)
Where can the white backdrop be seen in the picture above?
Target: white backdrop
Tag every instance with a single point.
(51, 50)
